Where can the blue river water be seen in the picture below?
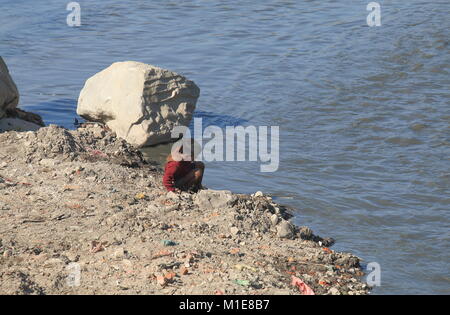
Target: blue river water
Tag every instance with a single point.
(364, 112)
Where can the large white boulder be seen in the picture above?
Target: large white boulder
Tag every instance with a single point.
(139, 102)
(9, 95)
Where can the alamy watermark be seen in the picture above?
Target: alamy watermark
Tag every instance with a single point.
(374, 17)
(373, 278)
(74, 277)
(234, 143)
(74, 17)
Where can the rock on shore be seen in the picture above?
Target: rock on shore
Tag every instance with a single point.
(12, 118)
(9, 95)
(140, 102)
(84, 201)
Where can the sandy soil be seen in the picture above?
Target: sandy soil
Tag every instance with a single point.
(82, 213)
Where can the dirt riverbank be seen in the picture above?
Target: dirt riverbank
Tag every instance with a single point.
(82, 213)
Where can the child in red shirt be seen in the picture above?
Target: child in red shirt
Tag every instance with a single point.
(182, 173)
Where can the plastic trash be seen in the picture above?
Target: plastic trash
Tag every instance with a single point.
(244, 283)
(140, 196)
(169, 243)
(302, 287)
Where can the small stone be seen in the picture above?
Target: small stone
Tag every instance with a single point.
(48, 162)
(274, 219)
(73, 257)
(334, 291)
(184, 271)
(119, 253)
(78, 169)
(170, 276)
(234, 230)
(328, 242)
(306, 233)
(172, 195)
(161, 280)
(98, 133)
(285, 230)
(258, 194)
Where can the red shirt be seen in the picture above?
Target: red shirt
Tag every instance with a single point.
(174, 171)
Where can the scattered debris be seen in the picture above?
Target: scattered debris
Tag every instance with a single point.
(184, 271)
(302, 286)
(95, 202)
(245, 283)
(140, 196)
(97, 246)
(169, 243)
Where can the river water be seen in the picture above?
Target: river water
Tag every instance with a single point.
(364, 112)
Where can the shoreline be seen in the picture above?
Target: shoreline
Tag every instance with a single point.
(86, 199)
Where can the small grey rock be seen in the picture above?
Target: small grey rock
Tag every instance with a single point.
(48, 162)
(334, 291)
(306, 233)
(285, 230)
(274, 219)
(258, 194)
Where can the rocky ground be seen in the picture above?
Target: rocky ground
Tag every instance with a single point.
(85, 200)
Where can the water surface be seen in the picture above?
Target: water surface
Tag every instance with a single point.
(364, 112)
